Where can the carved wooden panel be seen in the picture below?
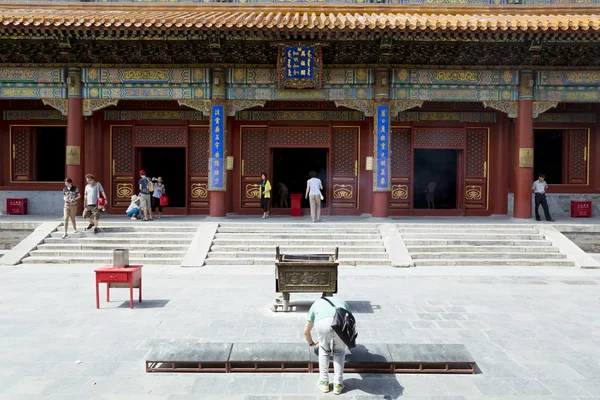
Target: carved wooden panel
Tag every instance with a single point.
(198, 155)
(344, 174)
(254, 163)
(477, 163)
(122, 171)
(439, 138)
(123, 149)
(155, 136)
(578, 154)
(401, 157)
(298, 136)
(21, 153)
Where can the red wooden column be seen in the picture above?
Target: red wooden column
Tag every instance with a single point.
(380, 200)
(523, 159)
(75, 132)
(218, 128)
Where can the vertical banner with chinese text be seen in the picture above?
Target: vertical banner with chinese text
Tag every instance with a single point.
(216, 167)
(381, 170)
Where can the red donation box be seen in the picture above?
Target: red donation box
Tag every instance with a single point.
(16, 206)
(296, 204)
(581, 209)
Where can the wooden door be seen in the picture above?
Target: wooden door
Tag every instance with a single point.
(401, 157)
(476, 177)
(123, 169)
(254, 163)
(22, 154)
(344, 171)
(199, 152)
(578, 156)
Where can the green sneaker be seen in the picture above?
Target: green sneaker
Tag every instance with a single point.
(323, 385)
(337, 389)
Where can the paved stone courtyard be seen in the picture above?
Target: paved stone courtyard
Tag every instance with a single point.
(533, 332)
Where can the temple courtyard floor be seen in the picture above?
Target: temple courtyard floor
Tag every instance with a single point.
(534, 332)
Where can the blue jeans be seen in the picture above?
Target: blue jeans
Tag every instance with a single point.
(133, 212)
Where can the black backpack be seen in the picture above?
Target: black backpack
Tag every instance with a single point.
(344, 324)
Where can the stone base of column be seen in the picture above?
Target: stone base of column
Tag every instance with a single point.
(217, 204)
(380, 202)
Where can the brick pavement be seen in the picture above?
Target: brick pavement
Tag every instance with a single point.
(533, 332)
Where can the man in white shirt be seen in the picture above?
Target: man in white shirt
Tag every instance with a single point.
(539, 189)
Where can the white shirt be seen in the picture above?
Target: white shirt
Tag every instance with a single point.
(431, 187)
(539, 187)
(315, 186)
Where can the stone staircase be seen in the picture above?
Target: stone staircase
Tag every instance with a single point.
(254, 243)
(155, 242)
(480, 245)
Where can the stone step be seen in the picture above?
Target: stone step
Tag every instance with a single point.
(299, 235)
(271, 262)
(143, 227)
(271, 255)
(475, 242)
(293, 242)
(484, 262)
(76, 245)
(480, 249)
(103, 254)
(488, 255)
(480, 236)
(298, 249)
(309, 225)
(278, 230)
(98, 260)
(132, 235)
(466, 226)
(122, 241)
(406, 231)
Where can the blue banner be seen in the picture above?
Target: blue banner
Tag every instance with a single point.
(217, 147)
(299, 62)
(382, 132)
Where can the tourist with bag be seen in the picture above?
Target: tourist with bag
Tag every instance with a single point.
(313, 193)
(91, 198)
(159, 198)
(70, 196)
(145, 186)
(330, 315)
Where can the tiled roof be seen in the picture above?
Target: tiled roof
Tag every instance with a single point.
(295, 17)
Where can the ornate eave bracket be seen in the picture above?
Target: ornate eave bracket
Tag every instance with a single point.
(61, 105)
(510, 108)
(91, 105)
(233, 106)
(198, 105)
(540, 107)
(365, 106)
(397, 106)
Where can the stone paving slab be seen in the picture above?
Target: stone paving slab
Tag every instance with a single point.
(182, 350)
(294, 352)
(532, 331)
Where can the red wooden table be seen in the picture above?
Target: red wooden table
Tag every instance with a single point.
(107, 274)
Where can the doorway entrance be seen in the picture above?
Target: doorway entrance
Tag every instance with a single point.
(292, 166)
(435, 179)
(170, 164)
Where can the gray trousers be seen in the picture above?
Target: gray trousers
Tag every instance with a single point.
(330, 342)
(315, 206)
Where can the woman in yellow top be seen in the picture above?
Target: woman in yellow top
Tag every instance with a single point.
(265, 194)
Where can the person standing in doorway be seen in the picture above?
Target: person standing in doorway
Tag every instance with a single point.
(265, 194)
(430, 194)
(144, 184)
(539, 189)
(91, 195)
(70, 196)
(283, 195)
(320, 316)
(313, 189)
(159, 191)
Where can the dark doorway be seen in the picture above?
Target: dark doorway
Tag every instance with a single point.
(548, 155)
(168, 163)
(291, 167)
(435, 179)
(50, 153)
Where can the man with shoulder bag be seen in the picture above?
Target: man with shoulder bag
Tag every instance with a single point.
(336, 330)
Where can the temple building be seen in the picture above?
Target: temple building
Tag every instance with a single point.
(401, 107)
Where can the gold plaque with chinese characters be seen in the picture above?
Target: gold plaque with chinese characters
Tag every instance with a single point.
(73, 155)
(526, 157)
